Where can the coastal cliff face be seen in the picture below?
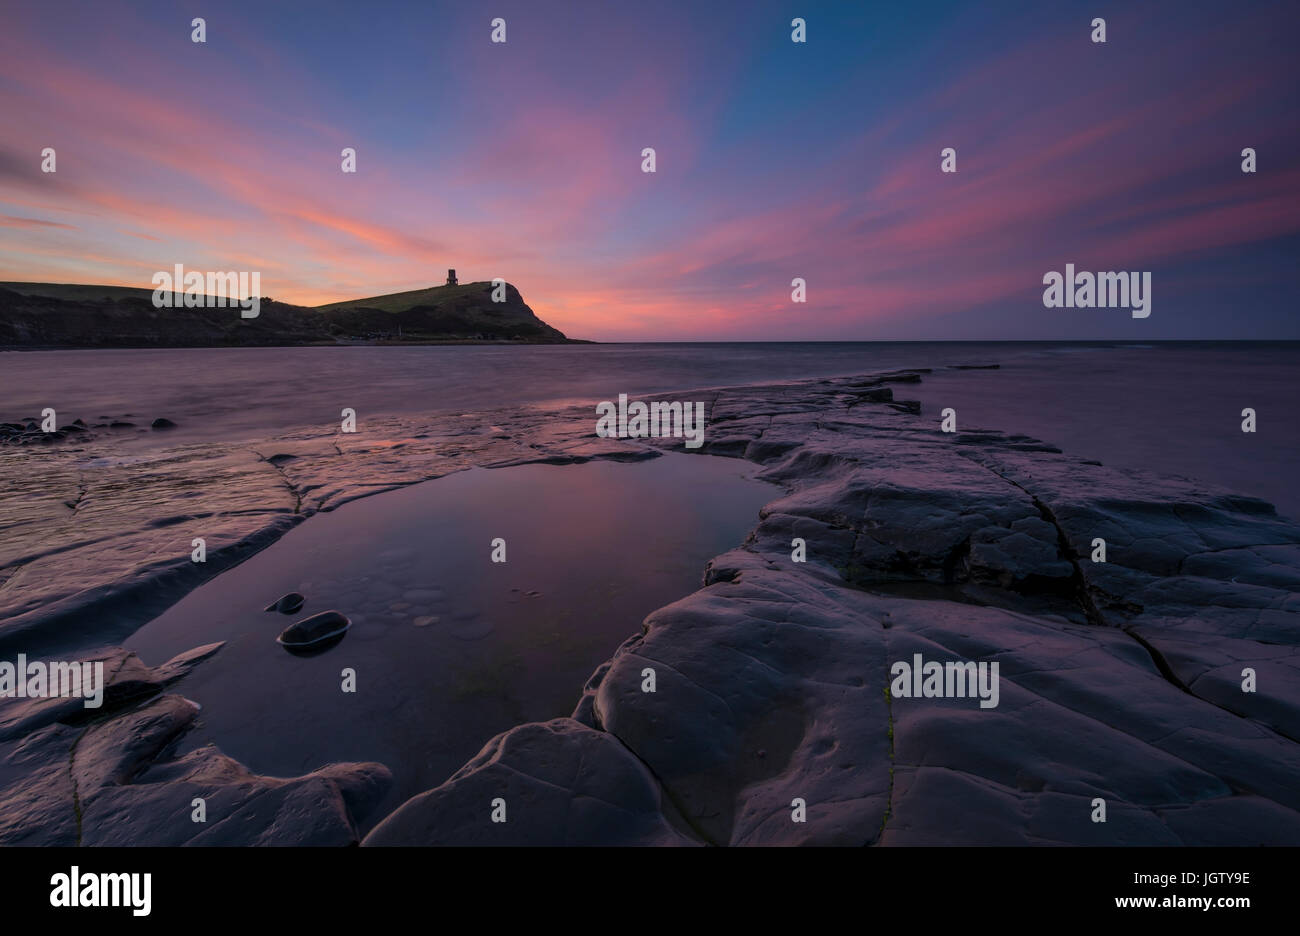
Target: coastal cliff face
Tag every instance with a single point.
(465, 312)
(1121, 680)
(41, 315)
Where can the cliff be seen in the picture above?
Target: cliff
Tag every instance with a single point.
(50, 315)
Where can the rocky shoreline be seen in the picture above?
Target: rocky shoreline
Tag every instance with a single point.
(1121, 680)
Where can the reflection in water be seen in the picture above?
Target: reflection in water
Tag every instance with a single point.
(449, 648)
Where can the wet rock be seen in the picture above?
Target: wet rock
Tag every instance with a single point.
(126, 680)
(287, 604)
(905, 376)
(874, 395)
(314, 634)
(1019, 556)
(97, 572)
(775, 662)
(113, 781)
(561, 783)
(1120, 679)
(162, 423)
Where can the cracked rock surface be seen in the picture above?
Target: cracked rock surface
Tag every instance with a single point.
(1120, 680)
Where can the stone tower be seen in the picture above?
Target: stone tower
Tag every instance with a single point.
(451, 277)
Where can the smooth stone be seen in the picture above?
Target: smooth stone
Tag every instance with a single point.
(568, 784)
(288, 604)
(315, 633)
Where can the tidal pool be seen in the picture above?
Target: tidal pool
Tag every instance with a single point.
(448, 647)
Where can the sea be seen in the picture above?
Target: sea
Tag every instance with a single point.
(1168, 407)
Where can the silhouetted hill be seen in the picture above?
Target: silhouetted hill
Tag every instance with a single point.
(62, 315)
(465, 310)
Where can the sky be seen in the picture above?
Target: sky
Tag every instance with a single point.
(774, 159)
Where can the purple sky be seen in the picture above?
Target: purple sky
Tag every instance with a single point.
(775, 160)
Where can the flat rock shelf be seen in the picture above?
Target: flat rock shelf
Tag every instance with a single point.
(1120, 680)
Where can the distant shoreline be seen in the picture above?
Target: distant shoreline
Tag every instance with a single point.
(308, 344)
(63, 316)
(1120, 342)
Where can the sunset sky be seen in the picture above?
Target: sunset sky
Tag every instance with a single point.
(775, 159)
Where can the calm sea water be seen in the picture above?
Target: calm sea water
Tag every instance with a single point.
(1174, 408)
(450, 648)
